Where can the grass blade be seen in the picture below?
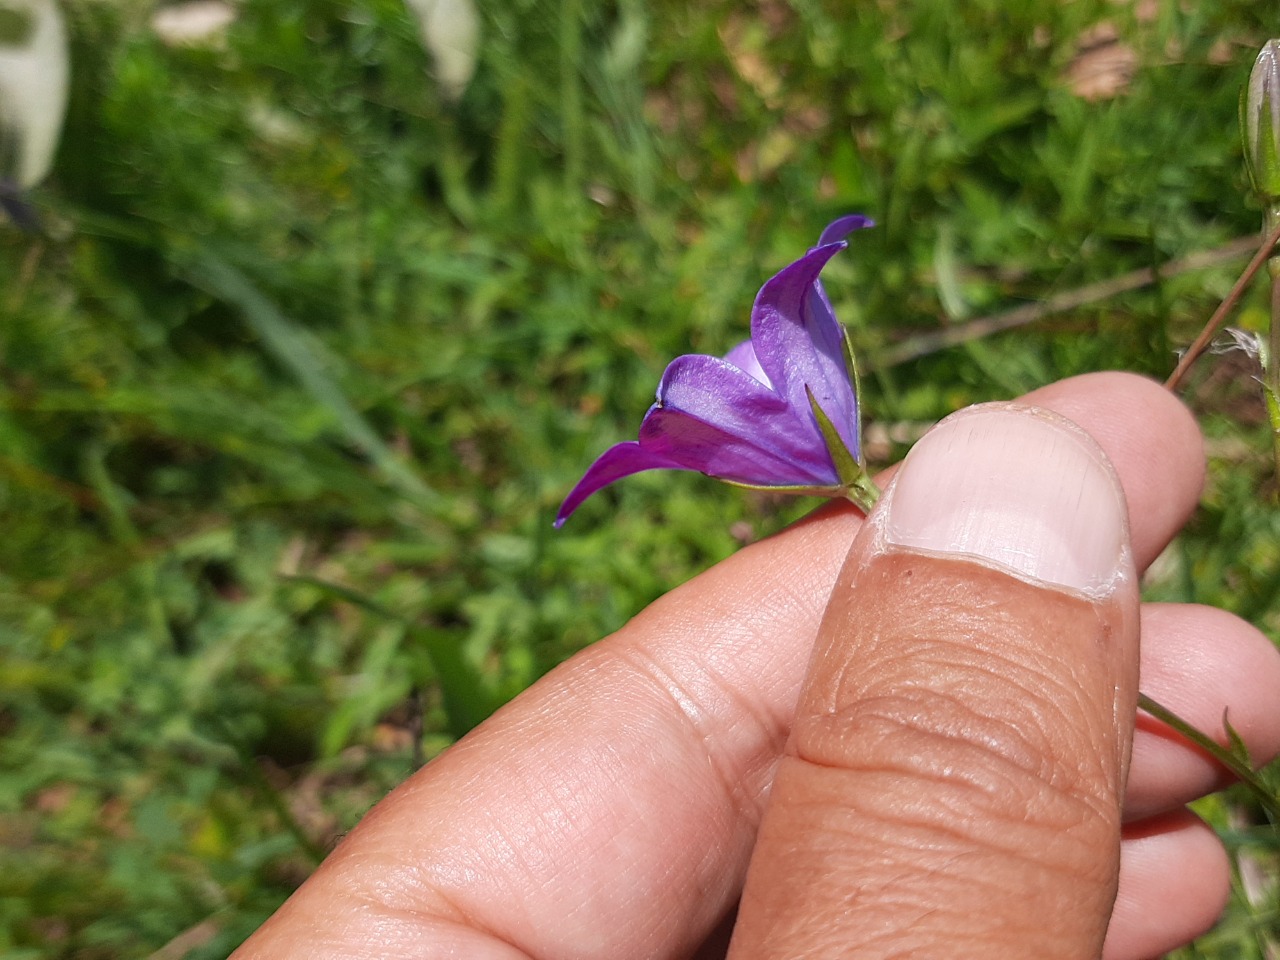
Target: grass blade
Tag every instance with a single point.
(290, 346)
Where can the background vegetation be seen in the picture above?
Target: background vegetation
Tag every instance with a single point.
(308, 355)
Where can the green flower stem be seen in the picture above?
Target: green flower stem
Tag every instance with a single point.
(863, 492)
(1234, 760)
(1271, 372)
(1273, 403)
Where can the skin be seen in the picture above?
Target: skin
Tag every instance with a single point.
(612, 809)
(975, 814)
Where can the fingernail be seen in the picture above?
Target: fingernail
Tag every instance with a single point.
(1017, 487)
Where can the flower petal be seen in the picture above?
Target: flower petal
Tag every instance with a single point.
(715, 418)
(841, 227)
(799, 343)
(747, 415)
(620, 460)
(743, 356)
(712, 450)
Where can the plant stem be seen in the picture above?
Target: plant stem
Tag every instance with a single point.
(1224, 308)
(1233, 763)
(1228, 759)
(1271, 370)
(863, 493)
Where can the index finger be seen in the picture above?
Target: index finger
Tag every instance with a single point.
(611, 809)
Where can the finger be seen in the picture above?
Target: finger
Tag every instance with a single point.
(1162, 477)
(1174, 883)
(621, 794)
(1203, 664)
(953, 780)
(1151, 439)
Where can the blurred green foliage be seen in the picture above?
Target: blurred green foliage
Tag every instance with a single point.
(293, 385)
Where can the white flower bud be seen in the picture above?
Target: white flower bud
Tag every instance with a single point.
(1261, 122)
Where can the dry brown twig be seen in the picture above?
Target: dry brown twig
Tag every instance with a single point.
(929, 343)
(1201, 343)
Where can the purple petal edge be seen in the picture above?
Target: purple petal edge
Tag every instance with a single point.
(841, 227)
(731, 399)
(797, 338)
(712, 449)
(620, 460)
(743, 356)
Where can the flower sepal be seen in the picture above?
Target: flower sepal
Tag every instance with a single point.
(855, 483)
(863, 492)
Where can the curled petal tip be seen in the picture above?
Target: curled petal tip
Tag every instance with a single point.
(620, 460)
(841, 227)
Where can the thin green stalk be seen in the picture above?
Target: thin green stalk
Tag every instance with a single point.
(1271, 371)
(1230, 759)
(510, 153)
(864, 492)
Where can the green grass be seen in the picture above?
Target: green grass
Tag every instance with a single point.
(291, 390)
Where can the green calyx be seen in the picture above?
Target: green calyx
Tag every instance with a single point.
(855, 483)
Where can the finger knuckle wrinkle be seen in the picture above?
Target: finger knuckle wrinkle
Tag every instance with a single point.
(958, 758)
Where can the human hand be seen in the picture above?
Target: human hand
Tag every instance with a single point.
(951, 786)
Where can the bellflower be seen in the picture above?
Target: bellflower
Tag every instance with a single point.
(778, 412)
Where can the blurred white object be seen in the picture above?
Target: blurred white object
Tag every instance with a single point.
(451, 33)
(197, 23)
(33, 88)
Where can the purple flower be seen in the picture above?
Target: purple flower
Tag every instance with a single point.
(778, 412)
